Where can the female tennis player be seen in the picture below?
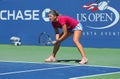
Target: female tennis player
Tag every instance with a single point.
(69, 26)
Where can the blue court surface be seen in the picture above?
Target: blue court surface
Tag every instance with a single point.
(22, 70)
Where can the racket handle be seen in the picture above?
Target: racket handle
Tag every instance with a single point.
(57, 41)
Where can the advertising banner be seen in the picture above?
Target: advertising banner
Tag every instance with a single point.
(28, 18)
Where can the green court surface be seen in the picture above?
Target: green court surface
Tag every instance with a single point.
(66, 55)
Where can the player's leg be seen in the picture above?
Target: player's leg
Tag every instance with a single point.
(55, 50)
(76, 38)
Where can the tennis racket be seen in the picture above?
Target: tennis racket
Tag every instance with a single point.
(45, 39)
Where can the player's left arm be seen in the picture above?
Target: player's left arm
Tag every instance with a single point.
(65, 33)
(63, 36)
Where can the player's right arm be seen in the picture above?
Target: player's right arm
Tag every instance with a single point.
(57, 35)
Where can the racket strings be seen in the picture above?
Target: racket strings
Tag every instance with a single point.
(44, 39)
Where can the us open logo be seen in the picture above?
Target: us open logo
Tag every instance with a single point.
(102, 15)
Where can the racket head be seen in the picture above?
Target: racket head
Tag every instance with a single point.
(44, 39)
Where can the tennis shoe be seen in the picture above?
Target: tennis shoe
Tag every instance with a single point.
(83, 61)
(50, 59)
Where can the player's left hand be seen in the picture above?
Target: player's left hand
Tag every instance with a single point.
(56, 42)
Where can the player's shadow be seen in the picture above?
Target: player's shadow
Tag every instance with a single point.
(69, 60)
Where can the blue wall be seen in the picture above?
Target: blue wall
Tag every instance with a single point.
(27, 19)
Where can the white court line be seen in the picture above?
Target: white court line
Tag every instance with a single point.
(95, 75)
(58, 64)
(54, 63)
(33, 70)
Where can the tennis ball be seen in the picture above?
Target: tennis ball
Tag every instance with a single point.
(102, 5)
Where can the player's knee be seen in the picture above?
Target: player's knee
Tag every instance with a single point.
(56, 45)
(75, 41)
